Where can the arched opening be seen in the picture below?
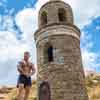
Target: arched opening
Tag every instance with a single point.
(44, 18)
(48, 53)
(44, 91)
(62, 14)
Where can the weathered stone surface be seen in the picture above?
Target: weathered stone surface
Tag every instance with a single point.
(65, 73)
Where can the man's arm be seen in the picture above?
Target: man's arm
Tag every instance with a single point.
(33, 70)
(19, 67)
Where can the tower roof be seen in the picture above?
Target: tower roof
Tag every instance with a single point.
(55, 11)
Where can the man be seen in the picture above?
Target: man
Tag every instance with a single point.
(26, 70)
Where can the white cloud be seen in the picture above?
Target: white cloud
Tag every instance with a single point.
(8, 22)
(84, 10)
(89, 58)
(11, 49)
(98, 28)
(26, 20)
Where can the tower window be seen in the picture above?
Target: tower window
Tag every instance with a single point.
(44, 18)
(48, 53)
(44, 91)
(62, 14)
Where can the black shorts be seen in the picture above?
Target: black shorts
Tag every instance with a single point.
(24, 80)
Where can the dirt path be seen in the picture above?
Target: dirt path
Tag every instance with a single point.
(4, 93)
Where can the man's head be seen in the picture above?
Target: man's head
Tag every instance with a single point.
(26, 55)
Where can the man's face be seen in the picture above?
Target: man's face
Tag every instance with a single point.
(26, 55)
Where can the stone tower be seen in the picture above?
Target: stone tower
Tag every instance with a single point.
(60, 70)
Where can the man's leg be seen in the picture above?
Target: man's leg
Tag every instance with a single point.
(27, 92)
(20, 92)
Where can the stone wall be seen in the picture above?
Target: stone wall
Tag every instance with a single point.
(65, 74)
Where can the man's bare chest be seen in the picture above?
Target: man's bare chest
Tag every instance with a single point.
(27, 66)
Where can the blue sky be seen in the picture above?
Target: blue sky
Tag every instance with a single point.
(18, 22)
(15, 5)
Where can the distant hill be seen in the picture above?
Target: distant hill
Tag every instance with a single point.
(93, 86)
(4, 91)
(32, 96)
(9, 93)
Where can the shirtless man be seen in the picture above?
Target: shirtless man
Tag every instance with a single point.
(26, 70)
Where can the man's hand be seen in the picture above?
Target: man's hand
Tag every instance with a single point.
(20, 69)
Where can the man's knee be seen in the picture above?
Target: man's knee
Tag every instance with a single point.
(27, 89)
(20, 91)
(20, 87)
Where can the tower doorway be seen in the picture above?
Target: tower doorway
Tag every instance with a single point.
(44, 91)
